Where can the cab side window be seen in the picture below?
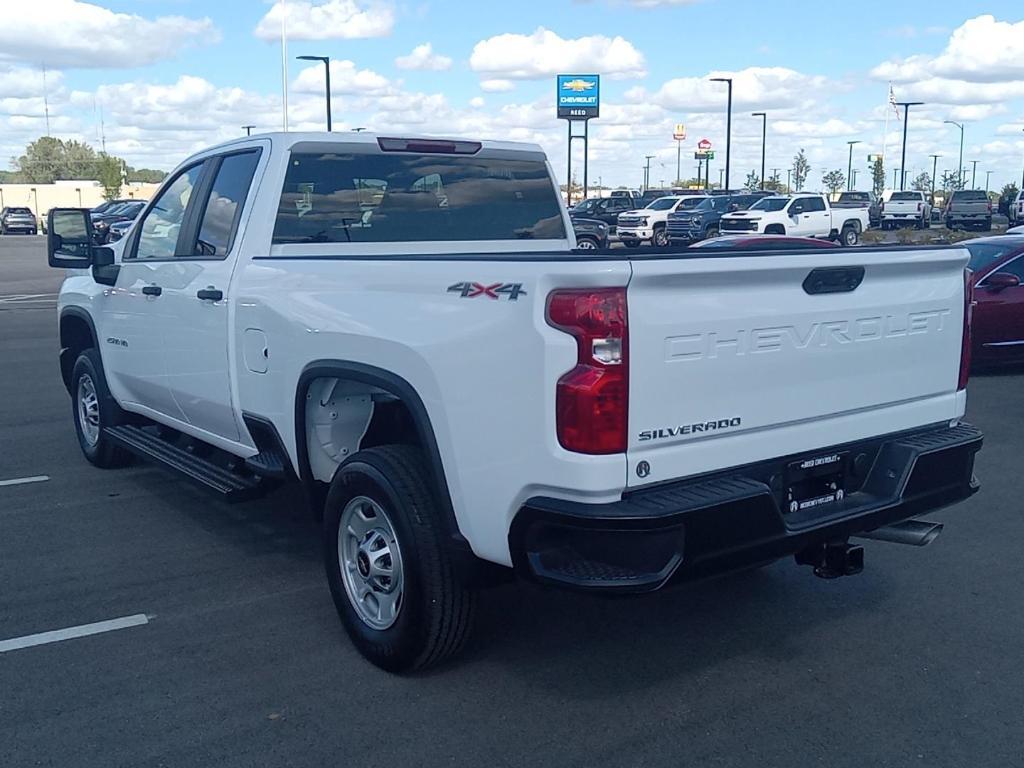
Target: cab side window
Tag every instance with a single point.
(224, 204)
(161, 225)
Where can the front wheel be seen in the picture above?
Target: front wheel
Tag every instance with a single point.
(660, 237)
(631, 243)
(95, 410)
(711, 232)
(391, 575)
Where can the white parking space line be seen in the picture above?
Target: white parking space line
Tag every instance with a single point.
(25, 480)
(27, 297)
(82, 630)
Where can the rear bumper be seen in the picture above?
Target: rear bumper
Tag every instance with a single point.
(735, 519)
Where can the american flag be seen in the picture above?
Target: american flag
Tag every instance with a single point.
(892, 101)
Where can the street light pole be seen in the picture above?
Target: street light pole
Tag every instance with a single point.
(849, 166)
(960, 177)
(906, 119)
(764, 139)
(248, 129)
(895, 177)
(327, 68)
(988, 177)
(935, 165)
(647, 172)
(728, 125)
(789, 182)
(854, 184)
(974, 174)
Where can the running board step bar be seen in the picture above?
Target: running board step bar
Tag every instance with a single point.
(231, 486)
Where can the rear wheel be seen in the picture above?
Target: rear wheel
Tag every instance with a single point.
(850, 236)
(391, 576)
(94, 411)
(987, 226)
(586, 244)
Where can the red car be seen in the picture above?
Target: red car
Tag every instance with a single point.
(997, 334)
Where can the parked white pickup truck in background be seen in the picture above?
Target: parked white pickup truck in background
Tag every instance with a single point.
(648, 224)
(402, 327)
(799, 215)
(907, 208)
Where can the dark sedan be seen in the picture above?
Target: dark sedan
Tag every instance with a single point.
(997, 334)
(591, 234)
(118, 213)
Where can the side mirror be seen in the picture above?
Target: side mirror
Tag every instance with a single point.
(796, 209)
(69, 238)
(1002, 280)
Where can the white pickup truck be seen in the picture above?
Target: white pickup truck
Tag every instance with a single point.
(909, 208)
(403, 327)
(799, 215)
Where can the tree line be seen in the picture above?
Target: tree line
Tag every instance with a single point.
(48, 159)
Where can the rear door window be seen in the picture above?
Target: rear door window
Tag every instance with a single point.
(224, 204)
(814, 204)
(387, 198)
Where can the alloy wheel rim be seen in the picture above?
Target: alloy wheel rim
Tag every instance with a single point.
(88, 410)
(371, 563)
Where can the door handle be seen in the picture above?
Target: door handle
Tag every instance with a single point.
(152, 290)
(210, 294)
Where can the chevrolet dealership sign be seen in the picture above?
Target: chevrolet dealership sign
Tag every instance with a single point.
(578, 96)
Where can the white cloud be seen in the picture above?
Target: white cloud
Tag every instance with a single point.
(68, 33)
(423, 57)
(21, 82)
(544, 53)
(326, 20)
(345, 79)
(754, 87)
(477, 102)
(496, 86)
(981, 50)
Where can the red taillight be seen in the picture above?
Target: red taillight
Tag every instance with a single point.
(990, 206)
(965, 344)
(591, 400)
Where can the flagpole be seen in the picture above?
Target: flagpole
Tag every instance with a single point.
(885, 136)
(284, 63)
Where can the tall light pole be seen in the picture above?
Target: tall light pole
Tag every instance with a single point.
(764, 139)
(988, 177)
(647, 172)
(906, 119)
(720, 172)
(895, 177)
(854, 183)
(974, 174)
(935, 166)
(849, 166)
(789, 182)
(248, 129)
(327, 69)
(728, 125)
(960, 178)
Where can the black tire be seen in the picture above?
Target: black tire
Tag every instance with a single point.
(99, 451)
(849, 237)
(660, 239)
(586, 243)
(711, 232)
(949, 224)
(436, 609)
(987, 226)
(631, 243)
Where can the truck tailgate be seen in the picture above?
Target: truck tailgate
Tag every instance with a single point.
(733, 361)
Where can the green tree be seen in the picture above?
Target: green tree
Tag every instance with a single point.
(151, 176)
(801, 169)
(79, 161)
(753, 181)
(773, 183)
(110, 175)
(951, 180)
(1007, 197)
(834, 180)
(878, 176)
(43, 161)
(922, 182)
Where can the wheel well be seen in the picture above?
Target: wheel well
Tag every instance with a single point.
(371, 407)
(76, 336)
(775, 229)
(855, 223)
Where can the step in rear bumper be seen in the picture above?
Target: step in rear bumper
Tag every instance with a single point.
(734, 519)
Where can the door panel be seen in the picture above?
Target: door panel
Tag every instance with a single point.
(999, 318)
(196, 342)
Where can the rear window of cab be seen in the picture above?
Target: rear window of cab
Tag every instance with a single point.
(390, 198)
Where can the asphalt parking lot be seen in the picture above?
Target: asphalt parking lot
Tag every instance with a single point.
(237, 657)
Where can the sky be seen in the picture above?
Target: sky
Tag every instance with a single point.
(171, 77)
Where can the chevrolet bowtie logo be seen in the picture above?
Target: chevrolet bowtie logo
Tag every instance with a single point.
(578, 85)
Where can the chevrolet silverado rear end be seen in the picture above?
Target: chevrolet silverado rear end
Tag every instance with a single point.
(767, 405)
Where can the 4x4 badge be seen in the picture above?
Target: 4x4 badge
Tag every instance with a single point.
(493, 291)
